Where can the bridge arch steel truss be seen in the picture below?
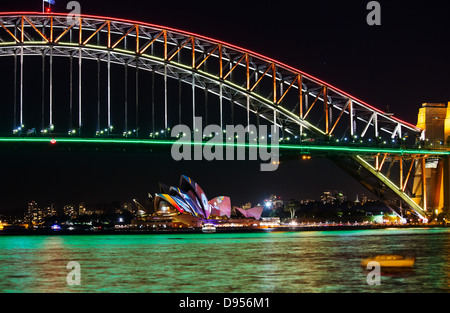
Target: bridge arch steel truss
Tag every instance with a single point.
(264, 87)
(296, 102)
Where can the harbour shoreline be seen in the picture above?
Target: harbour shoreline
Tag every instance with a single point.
(220, 230)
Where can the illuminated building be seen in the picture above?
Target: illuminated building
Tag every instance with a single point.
(276, 202)
(69, 209)
(33, 213)
(187, 205)
(221, 206)
(332, 197)
(364, 199)
(82, 209)
(270, 222)
(251, 213)
(49, 211)
(273, 202)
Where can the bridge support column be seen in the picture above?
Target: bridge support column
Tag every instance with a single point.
(193, 102)
(70, 94)
(51, 89)
(166, 125)
(109, 91)
(434, 118)
(21, 87)
(137, 99)
(43, 90)
(15, 91)
(80, 80)
(126, 98)
(221, 105)
(153, 101)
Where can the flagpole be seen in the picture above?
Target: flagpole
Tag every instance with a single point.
(49, 9)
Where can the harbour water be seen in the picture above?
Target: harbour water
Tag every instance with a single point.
(264, 262)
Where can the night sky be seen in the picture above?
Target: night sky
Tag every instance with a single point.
(400, 64)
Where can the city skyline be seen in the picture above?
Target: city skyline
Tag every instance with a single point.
(327, 196)
(331, 204)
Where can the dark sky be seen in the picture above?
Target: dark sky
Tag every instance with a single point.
(402, 63)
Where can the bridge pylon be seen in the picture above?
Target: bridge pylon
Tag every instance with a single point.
(431, 188)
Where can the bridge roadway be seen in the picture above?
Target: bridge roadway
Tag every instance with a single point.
(314, 149)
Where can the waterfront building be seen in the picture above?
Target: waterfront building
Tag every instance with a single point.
(221, 206)
(270, 222)
(187, 205)
(250, 213)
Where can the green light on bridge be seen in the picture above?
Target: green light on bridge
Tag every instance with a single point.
(293, 147)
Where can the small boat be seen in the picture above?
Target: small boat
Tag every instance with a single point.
(209, 228)
(390, 261)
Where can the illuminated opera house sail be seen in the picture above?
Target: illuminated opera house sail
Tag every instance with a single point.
(189, 198)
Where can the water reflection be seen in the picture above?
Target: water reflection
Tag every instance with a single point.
(260, 262)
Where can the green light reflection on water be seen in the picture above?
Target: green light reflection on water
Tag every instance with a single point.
(316, 261)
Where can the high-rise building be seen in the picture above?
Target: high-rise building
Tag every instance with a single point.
(37, 215)
(82, 209)
(69, 209)
(33, 212)
(49, 210)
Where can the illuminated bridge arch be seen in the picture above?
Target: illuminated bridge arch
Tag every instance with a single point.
(270, 90)
(304, 108)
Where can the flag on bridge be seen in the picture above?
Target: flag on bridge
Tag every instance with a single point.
(47, 9)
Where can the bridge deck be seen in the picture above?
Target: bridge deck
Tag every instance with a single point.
(285, 148)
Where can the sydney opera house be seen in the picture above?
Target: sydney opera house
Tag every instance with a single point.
(188, 204)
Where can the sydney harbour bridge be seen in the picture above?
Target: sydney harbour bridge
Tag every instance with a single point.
(91, 80)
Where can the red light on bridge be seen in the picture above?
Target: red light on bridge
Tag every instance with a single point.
(53, 141)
